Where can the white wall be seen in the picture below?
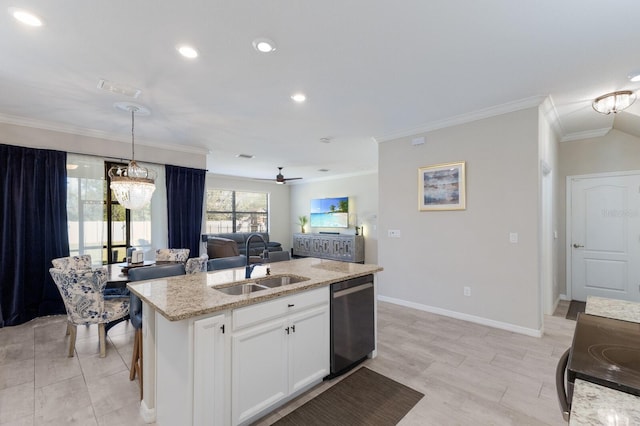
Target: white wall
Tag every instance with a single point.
(279, 211)
(48, 139)
(616, 151)
(441, 252)
(362, 191)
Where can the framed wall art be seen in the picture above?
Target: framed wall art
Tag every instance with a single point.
(442, 187)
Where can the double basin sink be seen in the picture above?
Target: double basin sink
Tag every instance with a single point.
(261, 284)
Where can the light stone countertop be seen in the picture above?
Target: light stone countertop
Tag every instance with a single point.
(593, 404)
(185, 296)
(612, 308)
(598, 405)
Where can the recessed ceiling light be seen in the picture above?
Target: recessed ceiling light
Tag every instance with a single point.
(244, 156)
(25, 17)
(264, 45)
(323, 170)
(188, 51)
(299, 97)
(634, 76)
(325, 140)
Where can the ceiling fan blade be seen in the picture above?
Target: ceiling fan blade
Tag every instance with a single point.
(291, 178)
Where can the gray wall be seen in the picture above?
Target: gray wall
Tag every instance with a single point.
(362, 191)
(616, 151)
(441, 252)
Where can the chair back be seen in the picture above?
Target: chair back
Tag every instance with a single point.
(226, 263)
(81, 292)
(148, 273)
(221, 247)
(196, 264)
(278, 256)
(72, 263)
(172, 255)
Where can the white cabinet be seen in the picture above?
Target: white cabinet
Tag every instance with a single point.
(192, 371)
(279, 347)
(210, 381)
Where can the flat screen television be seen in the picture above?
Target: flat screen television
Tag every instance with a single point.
(330, 212)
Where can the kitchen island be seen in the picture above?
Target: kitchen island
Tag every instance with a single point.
(593, 404)
(217, 358)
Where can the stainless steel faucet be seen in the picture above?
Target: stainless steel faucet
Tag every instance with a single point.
(248, 269)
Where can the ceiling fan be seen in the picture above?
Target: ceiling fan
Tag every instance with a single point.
(280, 179)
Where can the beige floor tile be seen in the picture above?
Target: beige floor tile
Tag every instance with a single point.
(94, 367)
(54, 370)
(111, 393)
(16, 351)
(17, 403)
(23, 421)
(127, 415)
(63, 402)
(16, 373)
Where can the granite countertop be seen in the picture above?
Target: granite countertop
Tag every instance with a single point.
(186, 296)
(593, 404)
(612, 308)
(597, 405)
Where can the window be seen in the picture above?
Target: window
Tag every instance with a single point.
(98, 224)
(237, 211)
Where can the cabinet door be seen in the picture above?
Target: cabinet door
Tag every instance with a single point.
(259, 369)
(308, 347)
(210, 393)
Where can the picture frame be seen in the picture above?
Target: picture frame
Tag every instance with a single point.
(442, 187)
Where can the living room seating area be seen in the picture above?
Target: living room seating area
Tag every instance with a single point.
(217, 248)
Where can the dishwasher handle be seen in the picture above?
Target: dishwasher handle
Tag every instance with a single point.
(347, 291)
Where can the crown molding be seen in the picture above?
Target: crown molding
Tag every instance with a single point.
(505, 108)
(587, 134)
(91, 133)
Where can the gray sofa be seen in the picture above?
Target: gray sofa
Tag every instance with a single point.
(240, 238)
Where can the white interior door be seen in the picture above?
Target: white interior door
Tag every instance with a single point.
(604, 243)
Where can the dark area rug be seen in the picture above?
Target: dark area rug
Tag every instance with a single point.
(363, 398)
(574, 308)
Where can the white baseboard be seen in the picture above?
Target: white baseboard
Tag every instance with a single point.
(148, 414)
(564, 297)
(466, 317)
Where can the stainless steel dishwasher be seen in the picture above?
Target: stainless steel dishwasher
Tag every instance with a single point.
(352, 323)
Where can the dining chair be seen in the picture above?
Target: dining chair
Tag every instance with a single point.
(226, 262)
(82, 294)
(172, 255)
(196, 264)
(135, 310)
(278, 256)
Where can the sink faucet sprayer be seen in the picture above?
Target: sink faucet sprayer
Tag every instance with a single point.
(248, 269)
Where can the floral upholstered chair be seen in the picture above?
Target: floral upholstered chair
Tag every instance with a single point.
(73, 263)
(197, 264)
(172, 255)
(82, 294)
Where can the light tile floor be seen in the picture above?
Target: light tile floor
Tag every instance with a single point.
(470, 374)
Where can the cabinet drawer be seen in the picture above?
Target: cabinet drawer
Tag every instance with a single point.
(255, 314)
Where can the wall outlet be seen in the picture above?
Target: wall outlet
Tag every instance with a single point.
(513, 237)
(394, 233)
(467, 291)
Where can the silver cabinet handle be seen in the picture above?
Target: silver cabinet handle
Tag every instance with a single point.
(577, 246)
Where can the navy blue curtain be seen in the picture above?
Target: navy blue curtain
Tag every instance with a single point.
(185, 195)
(33, 230)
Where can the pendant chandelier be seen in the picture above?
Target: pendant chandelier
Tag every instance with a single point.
(614, 102)
(132, 185)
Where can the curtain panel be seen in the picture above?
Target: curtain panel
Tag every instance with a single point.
(33, 230)
(185, 198)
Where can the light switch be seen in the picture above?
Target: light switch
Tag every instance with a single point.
(513, 237)
(394, 233)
